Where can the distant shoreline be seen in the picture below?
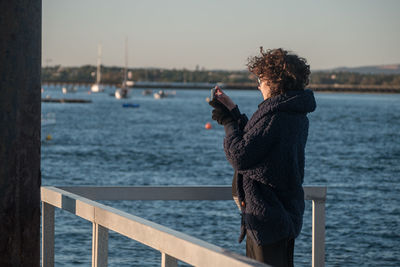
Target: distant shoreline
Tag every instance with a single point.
(335, 88)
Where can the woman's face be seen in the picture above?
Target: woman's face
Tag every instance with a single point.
(262, 84)
(264, 87)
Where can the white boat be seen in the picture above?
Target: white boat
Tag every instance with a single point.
(163, 94)
(160, 94)
(121, 93)
(97, 87)
(66, 90)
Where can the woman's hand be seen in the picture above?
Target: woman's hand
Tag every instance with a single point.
(224, 99)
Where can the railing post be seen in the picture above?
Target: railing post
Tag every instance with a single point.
(99, 246)
(47, 235)
(318, 233)
(168, 261)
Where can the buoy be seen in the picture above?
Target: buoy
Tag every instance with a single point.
(208, 126)
(49, 137)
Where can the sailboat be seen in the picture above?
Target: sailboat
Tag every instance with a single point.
(124, 90)
(97, 87)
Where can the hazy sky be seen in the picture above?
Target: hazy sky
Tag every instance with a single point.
(219, 34)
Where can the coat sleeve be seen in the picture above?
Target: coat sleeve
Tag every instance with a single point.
(240, 118)
(245, 149)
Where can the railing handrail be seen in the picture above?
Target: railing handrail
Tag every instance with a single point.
(180, 192)
(173, 245)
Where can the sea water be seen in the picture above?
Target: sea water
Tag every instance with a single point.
(353, 148)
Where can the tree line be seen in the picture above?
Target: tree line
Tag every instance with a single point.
(115, 75)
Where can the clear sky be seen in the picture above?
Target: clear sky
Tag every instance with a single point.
(220, 34)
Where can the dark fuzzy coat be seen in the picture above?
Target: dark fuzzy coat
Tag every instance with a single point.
(268, 155)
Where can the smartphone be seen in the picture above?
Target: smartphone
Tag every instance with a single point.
(212, 94)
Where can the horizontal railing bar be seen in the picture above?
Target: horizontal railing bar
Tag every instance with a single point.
(153, 192)
(176, 244)
(73, 203)
(213, 192)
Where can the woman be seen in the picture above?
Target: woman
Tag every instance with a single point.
(267, 154)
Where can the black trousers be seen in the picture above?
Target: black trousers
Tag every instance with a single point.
(279, 254)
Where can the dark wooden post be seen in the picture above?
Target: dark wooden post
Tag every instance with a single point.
(20, 109)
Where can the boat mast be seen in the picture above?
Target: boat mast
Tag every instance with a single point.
(126, 63)
(98, 74)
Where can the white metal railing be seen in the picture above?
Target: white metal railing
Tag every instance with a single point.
(172, 244)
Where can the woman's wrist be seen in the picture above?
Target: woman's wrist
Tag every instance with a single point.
(235, 112)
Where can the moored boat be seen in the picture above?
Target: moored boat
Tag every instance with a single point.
(97, 87)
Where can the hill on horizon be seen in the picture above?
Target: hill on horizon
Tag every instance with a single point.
(377, 69)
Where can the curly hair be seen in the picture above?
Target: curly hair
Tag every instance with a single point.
(281, 70)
